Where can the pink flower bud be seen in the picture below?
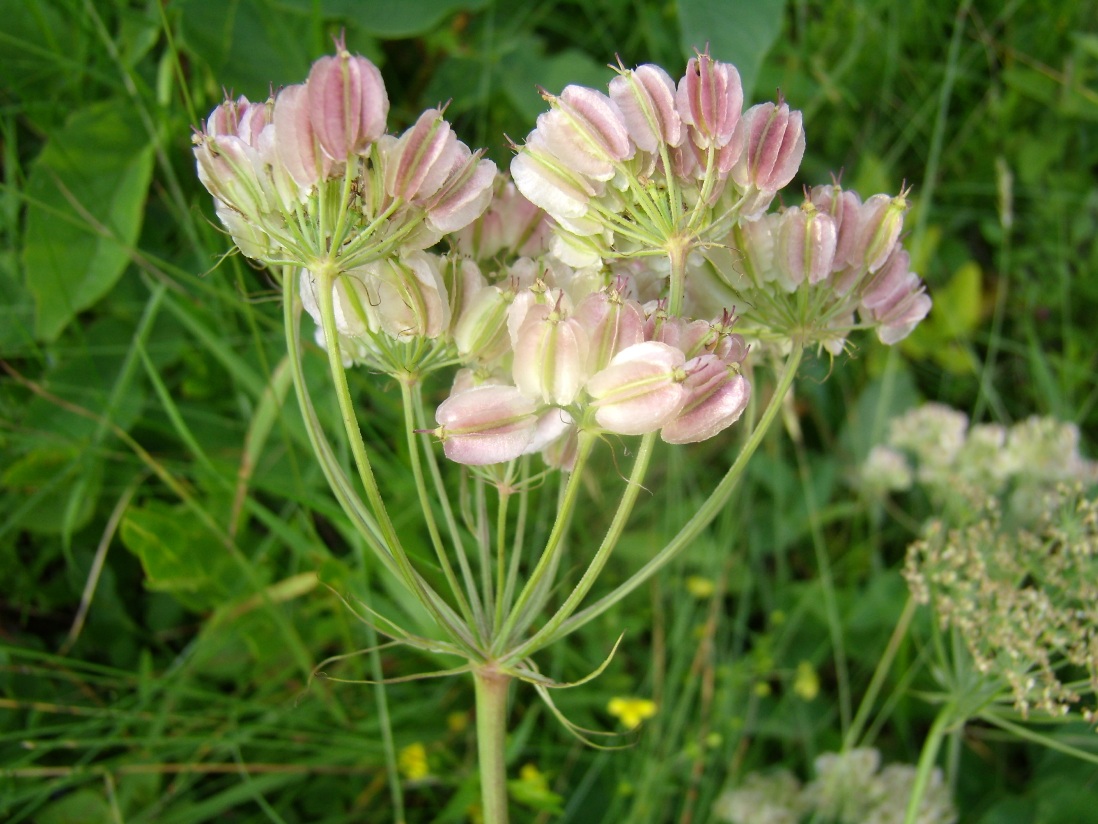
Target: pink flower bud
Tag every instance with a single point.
(586, 130)
(881, 220)
(716, 397)
(347, 104)
(773, 145)
(640, 391)
(550, 361)
(295, 140)
(646, 97)
(486, 425)
(710, 99)
(805, 247)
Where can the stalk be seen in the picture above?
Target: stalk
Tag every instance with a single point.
(926, 761)
(491, 697)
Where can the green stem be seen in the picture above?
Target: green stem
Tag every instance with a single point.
(517, 614)
(929, 755)
(458, 633)
(491, 697)
(702, 518)
(501, 554)
(448, 512)
(877, 681)
(613, 534)
(426, 505)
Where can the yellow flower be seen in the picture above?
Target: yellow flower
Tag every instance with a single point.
(631, 711)
(806, 683)
(412, 761)
(700, 587)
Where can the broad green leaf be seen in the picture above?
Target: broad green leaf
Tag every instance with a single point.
(178, 555)
(16, 310)
(525, 67)
(86, 196)
(45, 478)
(737, 31)
(384, 18)
(249, 45)
(42, 50)
(957, 312)
(84, 806)
(957, 309)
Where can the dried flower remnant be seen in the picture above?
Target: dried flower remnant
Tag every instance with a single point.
(1025, 601)
(763, 798)
(849, 788)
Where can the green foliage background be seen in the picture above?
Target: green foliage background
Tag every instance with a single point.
(162, 526)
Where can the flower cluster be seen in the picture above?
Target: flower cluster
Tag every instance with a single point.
(596, 291)
(542, 361)
(819, 270)
(850, 788)
(962, 465)
(1025, 601)
(656, 166)
(310, 179)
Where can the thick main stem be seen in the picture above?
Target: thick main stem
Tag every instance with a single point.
(491, 698)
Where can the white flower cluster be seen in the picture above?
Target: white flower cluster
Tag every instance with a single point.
(935, 447)
(850, 788)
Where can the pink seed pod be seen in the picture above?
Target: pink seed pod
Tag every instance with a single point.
(716, 397)
(773, 146)
(640, 391)
(646, 97)
(422, 158)
(754, 248)
(844, 207)
(411, 300)
(480, 332)
(805, 246)
(611, 324)
(230, 170)
(486, 425)
(550, 360)
(881, 219)
(464, 194)
(295, 140)
(547, 181)
(895, 299)
(710, 100)
(352, 302)
(347, 104)
(586, 130)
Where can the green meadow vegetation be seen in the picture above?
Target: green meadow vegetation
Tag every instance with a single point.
(177, 575)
